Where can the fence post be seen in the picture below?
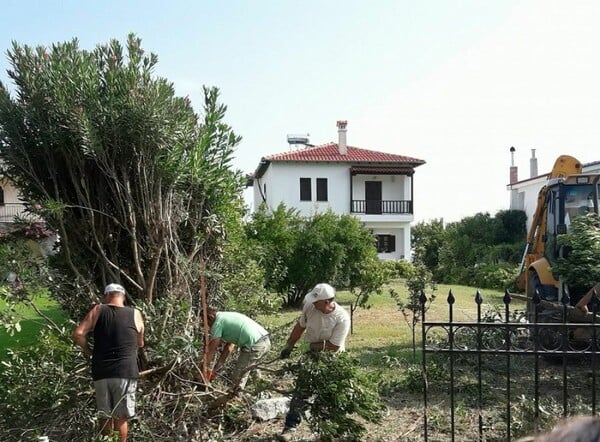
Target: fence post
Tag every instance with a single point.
(478, 301)
(506, 301)
(565, 347)
(423, 300)
(536, 359)
(451, 300)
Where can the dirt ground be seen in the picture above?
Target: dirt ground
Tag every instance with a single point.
(403, 421)
(396, 426)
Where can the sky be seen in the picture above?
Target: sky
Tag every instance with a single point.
(454, 83)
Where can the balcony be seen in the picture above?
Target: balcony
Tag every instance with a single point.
(379, 207)
(8, 211)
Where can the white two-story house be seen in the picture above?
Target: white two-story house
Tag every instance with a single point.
(376, 187)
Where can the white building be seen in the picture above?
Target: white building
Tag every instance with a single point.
(524, 193)
(376, 187)
(10, 203)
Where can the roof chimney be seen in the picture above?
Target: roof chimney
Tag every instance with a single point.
(514, 171)
(342, 146)
(533, 169)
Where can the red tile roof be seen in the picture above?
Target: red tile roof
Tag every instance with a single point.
(330, 152)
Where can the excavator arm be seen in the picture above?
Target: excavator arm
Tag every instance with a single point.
(564, 166)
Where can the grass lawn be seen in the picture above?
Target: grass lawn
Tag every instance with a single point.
(31, 324)
(382, 330)
(382, 342)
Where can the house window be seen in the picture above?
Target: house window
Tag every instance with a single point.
(305, 191)
(321, 189)
(386, 243)
(1, 196)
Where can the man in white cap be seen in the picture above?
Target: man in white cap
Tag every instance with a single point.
(325, 325)
(118, 333)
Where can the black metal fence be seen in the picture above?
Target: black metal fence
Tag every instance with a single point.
(494, 362)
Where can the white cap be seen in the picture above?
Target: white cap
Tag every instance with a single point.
(321, 292)
(113, 288)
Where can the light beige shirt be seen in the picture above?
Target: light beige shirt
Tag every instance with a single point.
(332, 327)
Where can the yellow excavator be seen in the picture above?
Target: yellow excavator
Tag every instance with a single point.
(567, 194)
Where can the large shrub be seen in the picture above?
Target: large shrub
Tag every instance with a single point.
(296, 253)
(140, 189)
(46, 390)
(137, 185)
(339, 395)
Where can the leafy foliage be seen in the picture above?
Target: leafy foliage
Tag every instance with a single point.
(296, 253)
(25, 276)
(579, 264)
(418, 282)
(398, 269)
(478, 250)
(136, 184)
(337, 391)
(427, 241)
(140, 191)
(40, 386)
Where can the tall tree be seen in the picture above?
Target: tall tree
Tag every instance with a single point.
(428, 240)
(138, 187)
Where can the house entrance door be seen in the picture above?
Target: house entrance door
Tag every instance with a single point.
(373, 197)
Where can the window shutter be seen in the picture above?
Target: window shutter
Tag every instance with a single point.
(321, 189)
(305, 191)
(386, 243)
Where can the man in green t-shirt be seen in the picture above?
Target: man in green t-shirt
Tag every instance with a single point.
(235, 329)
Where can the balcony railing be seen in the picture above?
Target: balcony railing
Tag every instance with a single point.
(376, 207)
(8, 211)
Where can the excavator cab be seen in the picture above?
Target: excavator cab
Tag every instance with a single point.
(565, 199)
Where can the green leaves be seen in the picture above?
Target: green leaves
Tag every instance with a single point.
(580, 264)
(137, 185)
(337, 391)
(297, 253)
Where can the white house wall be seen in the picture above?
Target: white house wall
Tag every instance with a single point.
(283, 185)
(402, 240)
(524, 196)
(12, 204)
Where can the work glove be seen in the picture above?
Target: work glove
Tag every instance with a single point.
(286, 352)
